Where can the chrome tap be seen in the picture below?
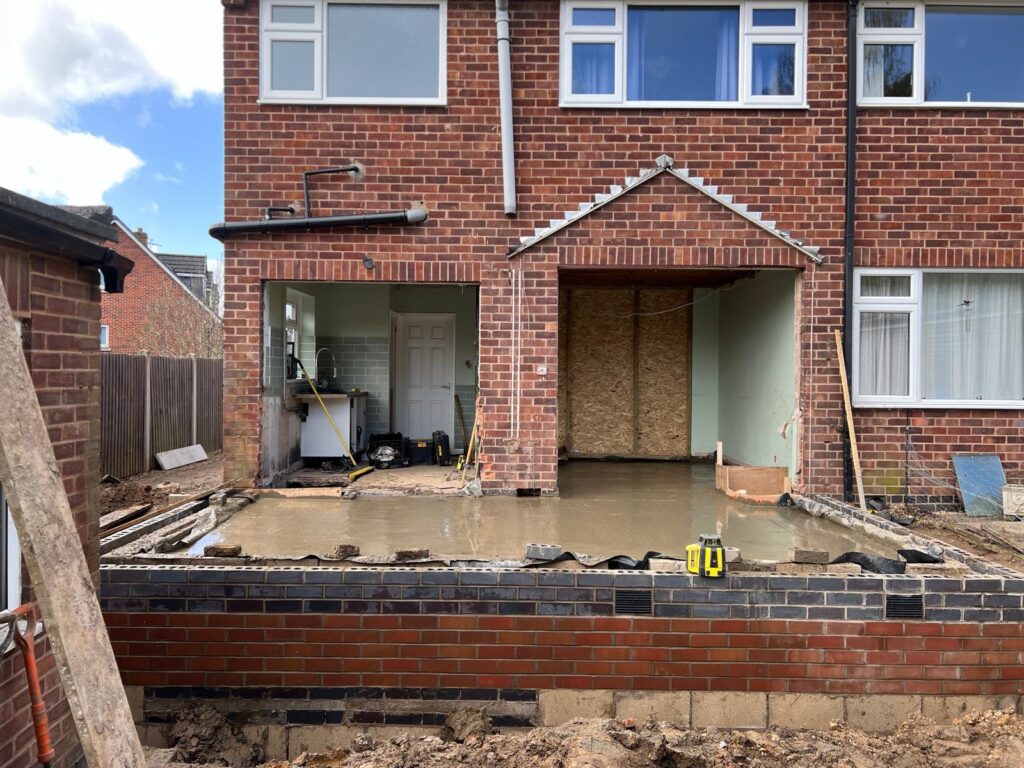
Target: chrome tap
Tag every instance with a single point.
(321, 379)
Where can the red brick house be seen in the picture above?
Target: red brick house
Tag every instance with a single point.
(49, 265)
(660, 212)
(160, 313)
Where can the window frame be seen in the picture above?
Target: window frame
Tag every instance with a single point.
(914, 305)
(916, 36)
(317, 32)
(10, 558)
(748, 35)
(104, 336)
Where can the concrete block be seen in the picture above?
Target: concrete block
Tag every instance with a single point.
(817, 556)
(729, 709)
(948, 568)
(558, 707)
(542, 551)
(732, 554)
(946, 709)
(880, 712)
(804, 710)
(672, 707)
(136, 702)
(844, 569)
(273, 739)
(664, 564)
(1013, 501)
(153, 735)
(800, 568)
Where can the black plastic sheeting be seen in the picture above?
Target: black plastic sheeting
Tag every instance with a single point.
(886, 565)
(614, 563)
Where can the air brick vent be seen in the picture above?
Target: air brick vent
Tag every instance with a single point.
(638, 602)
(904, 606)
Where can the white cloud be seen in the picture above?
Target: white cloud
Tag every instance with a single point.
(56, 54)
(66, 166)
(166, 179)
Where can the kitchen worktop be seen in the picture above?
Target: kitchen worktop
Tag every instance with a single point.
(328, 395)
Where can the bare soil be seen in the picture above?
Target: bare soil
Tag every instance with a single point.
(980, 740)
(996, 540)
(156, 486)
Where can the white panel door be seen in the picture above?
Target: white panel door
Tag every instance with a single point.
(424, 374)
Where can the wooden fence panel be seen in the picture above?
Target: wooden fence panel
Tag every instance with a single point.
(123, 415)
(210, 404)
(172, 423)
(170, 382)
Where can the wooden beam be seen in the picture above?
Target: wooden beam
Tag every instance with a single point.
(854, 453)
(57, 566)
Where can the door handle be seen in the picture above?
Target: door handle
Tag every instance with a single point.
(446, 386)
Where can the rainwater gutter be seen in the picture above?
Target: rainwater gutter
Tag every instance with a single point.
(849, 235)
(508, 152)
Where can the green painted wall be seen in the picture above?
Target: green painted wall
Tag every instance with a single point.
(346, 309)
(704, 409)
(756, 350)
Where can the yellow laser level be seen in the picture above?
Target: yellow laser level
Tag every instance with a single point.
(706, 557)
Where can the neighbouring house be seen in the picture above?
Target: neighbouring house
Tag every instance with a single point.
(635, 235)
(168, 310)
(50, 265)
(193, 271)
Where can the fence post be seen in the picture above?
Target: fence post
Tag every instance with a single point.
(147, 420)
(195, 399)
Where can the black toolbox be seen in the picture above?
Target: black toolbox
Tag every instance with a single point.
(392, 439)
(442, 448)
(419, 450)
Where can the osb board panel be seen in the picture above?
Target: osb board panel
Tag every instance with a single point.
(563, 350)
(663, 372)
(600, 376)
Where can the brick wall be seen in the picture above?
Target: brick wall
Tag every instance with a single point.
(62, 348)
(156, 313)
(322, 645)
(936, 187)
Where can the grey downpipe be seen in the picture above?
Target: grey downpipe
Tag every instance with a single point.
(268, 226)
(849, 234)
(508, 151)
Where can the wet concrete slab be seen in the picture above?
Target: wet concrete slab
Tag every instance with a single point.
(604, 509)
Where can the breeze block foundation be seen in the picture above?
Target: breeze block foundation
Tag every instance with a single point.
(307, 656)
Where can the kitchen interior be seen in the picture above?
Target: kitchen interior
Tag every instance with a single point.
(385, 358)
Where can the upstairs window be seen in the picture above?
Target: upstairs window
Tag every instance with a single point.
(939, 338)
(347, 52)
(104, 337)
(938, 54)
(683, 54)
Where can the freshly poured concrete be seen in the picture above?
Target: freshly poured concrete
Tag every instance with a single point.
(604, 509)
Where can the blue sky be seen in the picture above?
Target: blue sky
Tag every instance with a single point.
(117, 102)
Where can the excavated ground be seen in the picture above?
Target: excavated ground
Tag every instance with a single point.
(979, 740)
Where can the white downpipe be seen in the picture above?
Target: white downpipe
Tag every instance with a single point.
(508, 152)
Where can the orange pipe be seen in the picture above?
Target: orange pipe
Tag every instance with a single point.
(26, 642)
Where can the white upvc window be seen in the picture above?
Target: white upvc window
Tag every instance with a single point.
(104, 337)
(938, 338)
(684, 53)
(10, 559)
(942, 54)
(387, 52)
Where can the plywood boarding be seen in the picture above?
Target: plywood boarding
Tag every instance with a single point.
(625, 387)
(663, 372)
(563, 368)
(600, 375)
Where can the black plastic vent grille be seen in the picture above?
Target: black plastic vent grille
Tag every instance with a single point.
(904, 606)
(639, 602)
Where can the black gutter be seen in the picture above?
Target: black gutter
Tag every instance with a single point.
(309, 223)
(849, 239)
(49, 237)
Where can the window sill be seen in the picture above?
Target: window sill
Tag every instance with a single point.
(943, 405)
(354, 102)
(675, 105)
(948, 105)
